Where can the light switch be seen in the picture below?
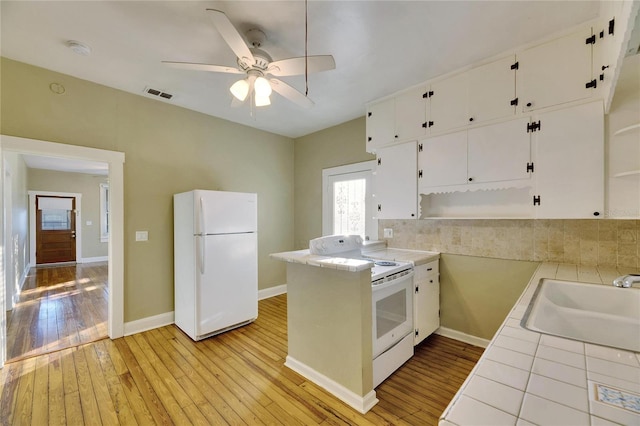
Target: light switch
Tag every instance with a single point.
(89, 223)
(142, 235)
(388, 232)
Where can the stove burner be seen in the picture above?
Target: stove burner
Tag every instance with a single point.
(385, 263)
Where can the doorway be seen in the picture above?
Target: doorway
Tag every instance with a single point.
(115, 268)
(55, 229)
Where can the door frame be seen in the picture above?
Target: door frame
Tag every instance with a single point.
(32, 222)
(115, 161)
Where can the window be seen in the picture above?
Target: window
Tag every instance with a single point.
(347, 202)
(104, 212)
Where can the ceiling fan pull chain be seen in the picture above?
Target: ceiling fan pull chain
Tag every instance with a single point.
(306, 56)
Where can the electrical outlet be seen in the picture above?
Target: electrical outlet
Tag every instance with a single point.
(142, 235)
(388, 232)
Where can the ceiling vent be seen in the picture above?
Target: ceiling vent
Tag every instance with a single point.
(158, 93)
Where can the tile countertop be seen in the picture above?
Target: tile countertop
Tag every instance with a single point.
(305, 258)
(529, 378)
(401, 255)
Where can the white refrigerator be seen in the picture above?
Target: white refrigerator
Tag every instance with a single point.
(215, 261)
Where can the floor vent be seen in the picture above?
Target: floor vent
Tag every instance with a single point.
(158, 93)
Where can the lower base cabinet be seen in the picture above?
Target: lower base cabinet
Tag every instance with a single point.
(426, 300)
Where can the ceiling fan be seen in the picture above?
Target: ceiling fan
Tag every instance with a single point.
(258, 66)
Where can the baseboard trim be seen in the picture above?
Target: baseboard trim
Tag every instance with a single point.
(272, 291)
(361, 404)
(94, 259)
(148, 323)
(463, 337)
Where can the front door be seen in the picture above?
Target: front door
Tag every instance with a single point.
(55, 229)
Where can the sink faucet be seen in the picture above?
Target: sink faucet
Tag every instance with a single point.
(626, 281)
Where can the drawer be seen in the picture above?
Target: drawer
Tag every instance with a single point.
(430, 269)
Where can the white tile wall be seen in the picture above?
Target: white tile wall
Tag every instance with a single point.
(527, 378)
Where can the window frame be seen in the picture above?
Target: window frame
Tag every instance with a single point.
(329, 175)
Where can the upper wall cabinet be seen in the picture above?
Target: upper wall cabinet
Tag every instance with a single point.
(397, 119)
(492, 91)
(396, 181)
(556, 72)
(448, 103)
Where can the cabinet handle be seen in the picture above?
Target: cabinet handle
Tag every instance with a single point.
(412, 214)
(471, 119)
(470, 179)
(596, 213)
(429, 269)
(431, 281)
(396, 136)
(529, 104)
(369, 139)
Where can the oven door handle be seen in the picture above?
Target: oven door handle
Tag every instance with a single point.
(393, 282)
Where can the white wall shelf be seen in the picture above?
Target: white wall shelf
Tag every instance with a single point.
(627, 129)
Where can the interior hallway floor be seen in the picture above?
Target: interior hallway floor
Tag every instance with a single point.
(59, 307)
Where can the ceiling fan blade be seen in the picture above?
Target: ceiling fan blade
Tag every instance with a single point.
(290, 93)
(296, 66)
(203, 67)
(231, 35)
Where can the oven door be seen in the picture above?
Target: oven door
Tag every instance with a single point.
(392, 312)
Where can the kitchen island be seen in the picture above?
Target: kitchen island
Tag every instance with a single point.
(329, 324)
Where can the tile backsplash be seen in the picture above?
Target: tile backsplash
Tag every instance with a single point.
(602, 242)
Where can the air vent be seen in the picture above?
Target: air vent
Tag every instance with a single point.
(158, 93)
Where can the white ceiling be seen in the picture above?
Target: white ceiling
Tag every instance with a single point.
(66, 165)
(379, 47)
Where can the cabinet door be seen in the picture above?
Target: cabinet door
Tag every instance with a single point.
(449, 103)
(443, 160)
(410, 114)
(569, 162)
(492, 88)
(555, 72)
(380, 124)
(396, 182)
(499, 152)
(426, 301)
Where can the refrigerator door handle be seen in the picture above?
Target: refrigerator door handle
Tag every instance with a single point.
(202, 230)
(201, 253)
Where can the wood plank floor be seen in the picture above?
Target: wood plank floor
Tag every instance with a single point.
(238, 378)
(59, 307)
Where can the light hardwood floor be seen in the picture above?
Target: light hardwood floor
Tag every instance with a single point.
(59, 307)
(163, 377)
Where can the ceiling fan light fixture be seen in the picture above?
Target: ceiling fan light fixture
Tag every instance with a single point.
(240, 89)
(262, 100)
(262, 88)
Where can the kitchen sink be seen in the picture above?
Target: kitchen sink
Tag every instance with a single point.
(593, 313)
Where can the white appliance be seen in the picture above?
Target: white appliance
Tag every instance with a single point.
(392, 303)
(216, 261)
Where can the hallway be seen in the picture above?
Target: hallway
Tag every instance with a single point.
(59, 307)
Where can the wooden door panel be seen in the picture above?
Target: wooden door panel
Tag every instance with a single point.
(55, 245)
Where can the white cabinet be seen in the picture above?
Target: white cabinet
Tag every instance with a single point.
(442, 160)
(499, 152)
(426, 300)
(397, 119)
(380, 124)
(555, 72)
(448, 100)
(569, 163)
(396, 181)
(492, 90)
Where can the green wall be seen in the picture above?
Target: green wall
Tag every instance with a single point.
(167, 150)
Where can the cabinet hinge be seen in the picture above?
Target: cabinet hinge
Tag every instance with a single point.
(529, 167)
(514, 102)
(602, 77)
(417, 289)
(533, 127)
(379, 207)
(515, 66)
(591, 84)
(419, 174)
(612, 24)
(427, 94)
(536, 200)
(379, 161)
(602, 34)
(369, 114)
(591, 40)
(424, 124)
(430, 123)
(419, 147)
(417, 333)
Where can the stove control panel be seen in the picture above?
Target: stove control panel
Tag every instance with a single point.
(332, 245)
